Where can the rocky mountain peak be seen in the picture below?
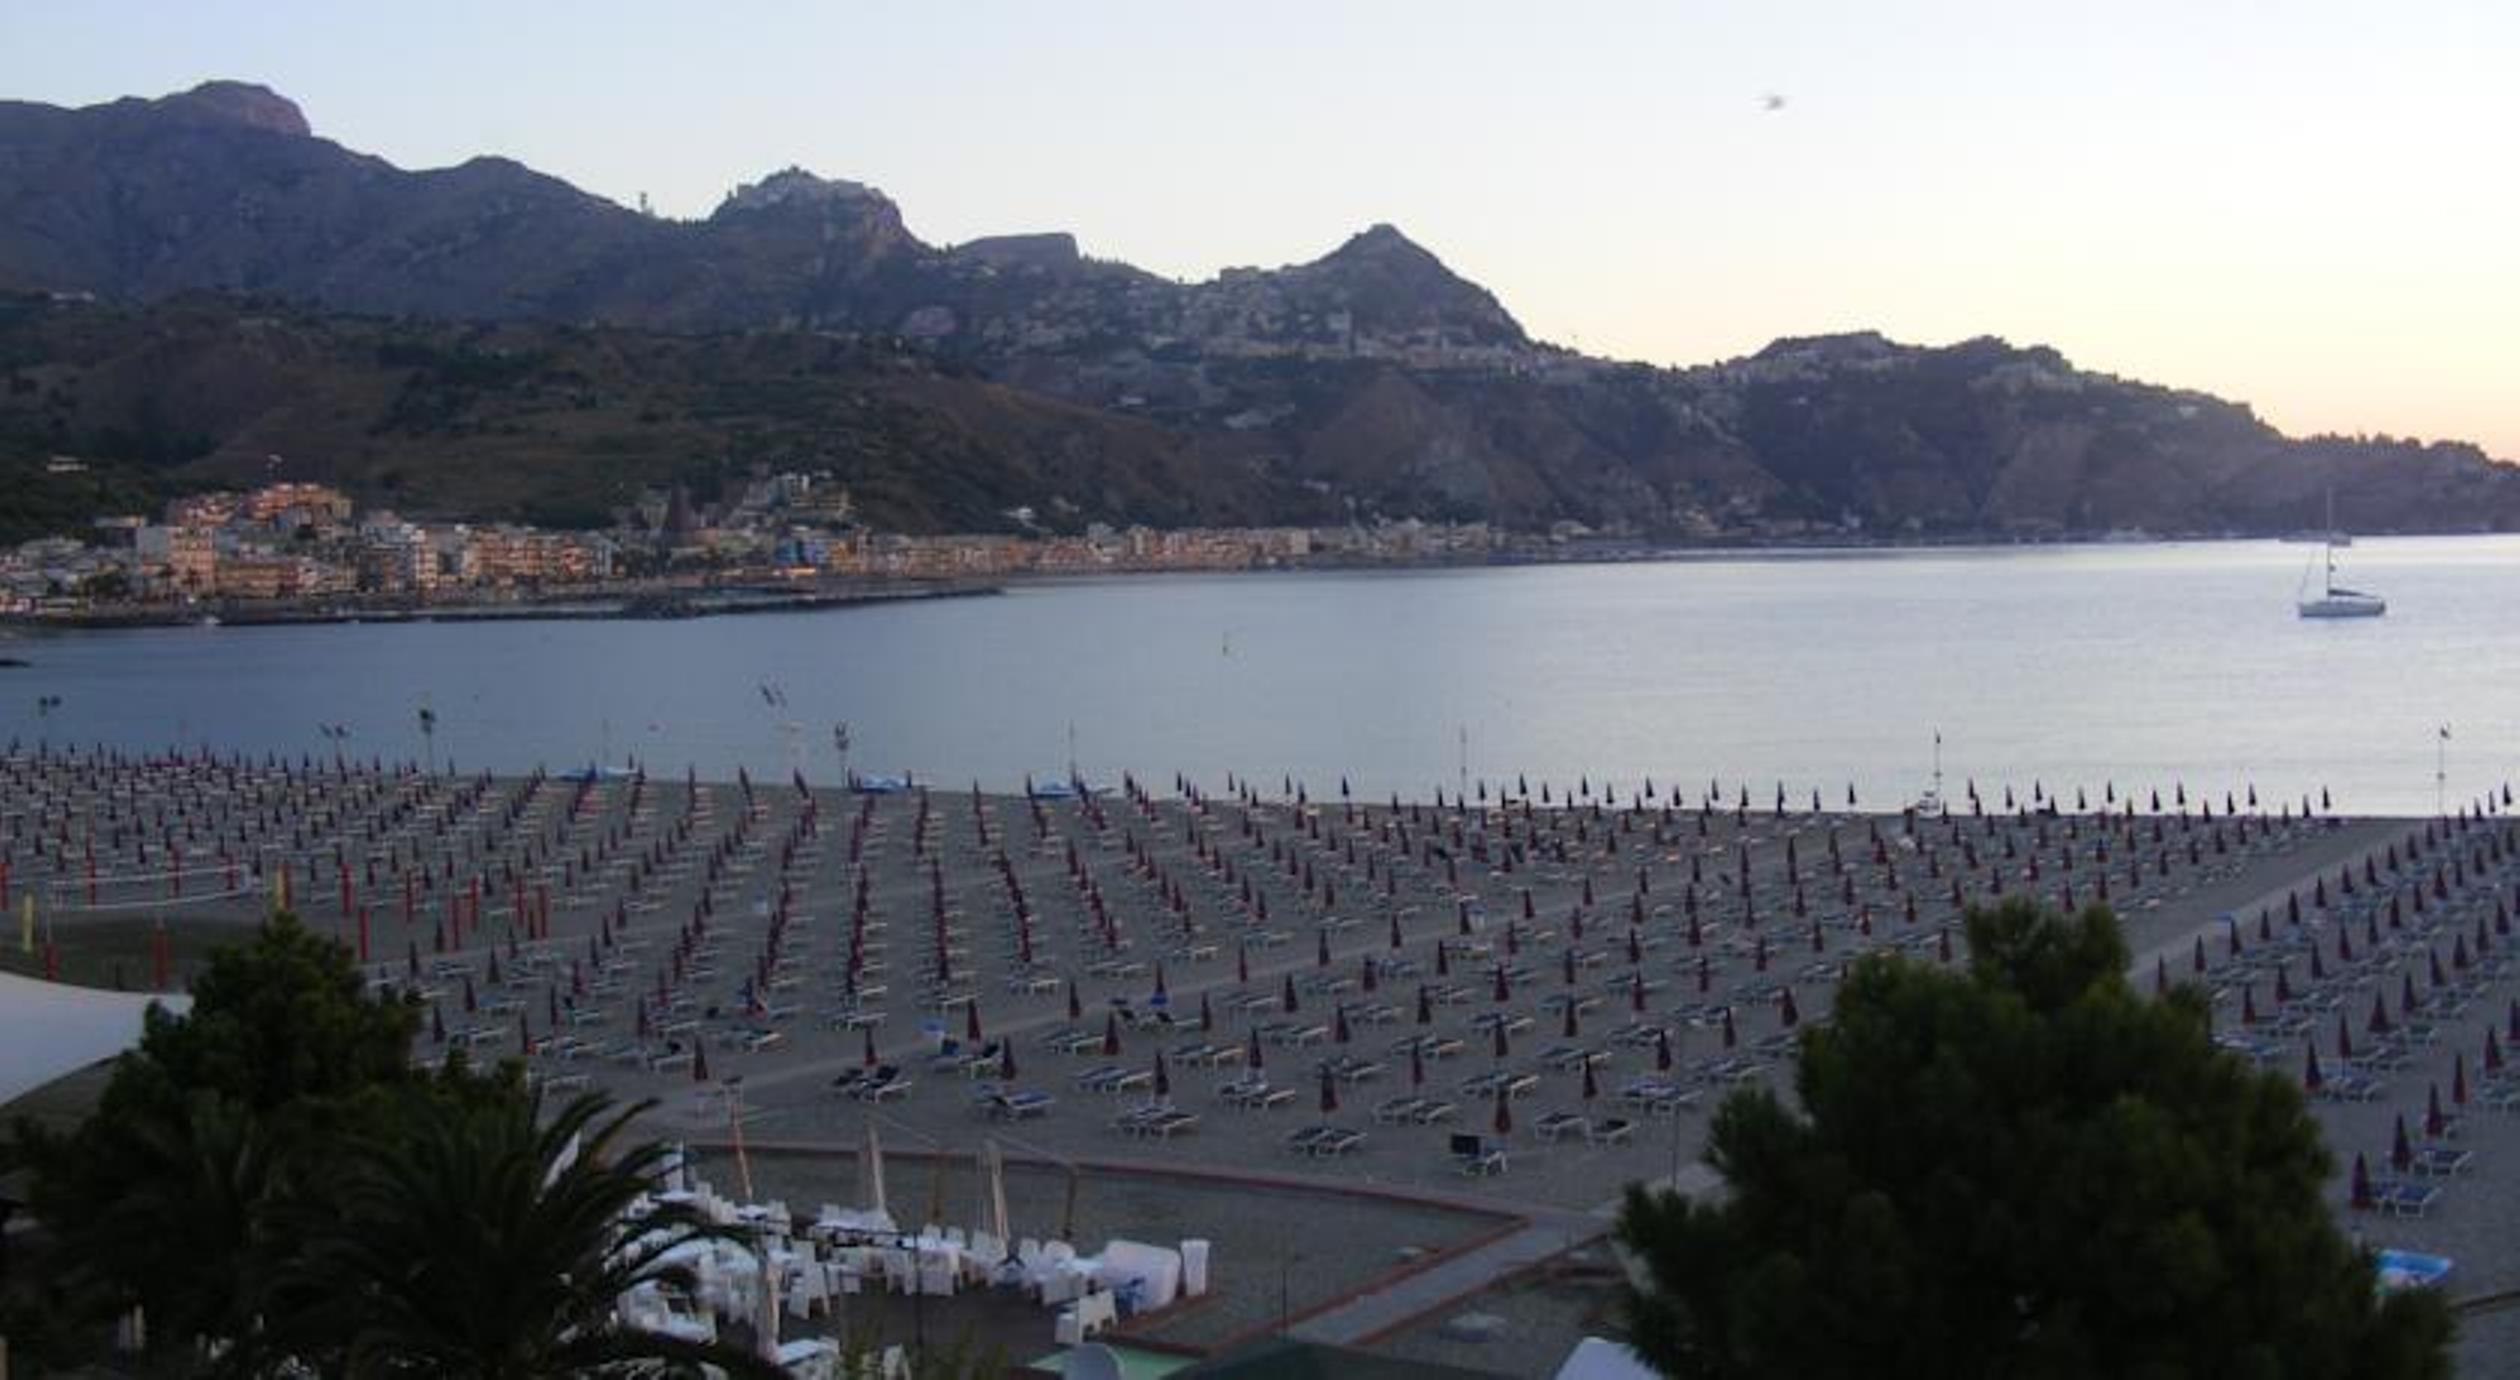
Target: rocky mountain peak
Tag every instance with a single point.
(242, 103)
(794, 187)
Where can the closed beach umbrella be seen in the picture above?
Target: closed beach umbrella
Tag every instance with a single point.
(2401, 1150)
(1286, 994)
(1329, 1092)
(1502, 1041)
(1731, 1036)
(2458, 1080)
(1504, 1112)
(1163, 1076)
(1662, 1050)
(1111, 1034)
(2311, 1078)
(1417, 1065)
(1252, 1054)
(2434, 1122)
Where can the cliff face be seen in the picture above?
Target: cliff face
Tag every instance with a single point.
(1372, 381)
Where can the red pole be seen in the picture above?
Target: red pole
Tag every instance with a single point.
(157, 953)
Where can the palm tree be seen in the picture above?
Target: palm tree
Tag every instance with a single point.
(477, 1240)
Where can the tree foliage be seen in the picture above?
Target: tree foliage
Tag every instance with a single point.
(2026, 1170)
(271, 1179)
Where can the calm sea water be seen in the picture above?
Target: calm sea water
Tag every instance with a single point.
(2073, 667)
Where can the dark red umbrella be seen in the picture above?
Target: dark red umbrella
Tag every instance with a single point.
(2311, 1078)
(699, 1062)
(1111, 1034)
(1592, 1085)
(2401, 1150)
(1163, 1076)
(1786, 1010)
(1425, 1006)
(1730, 1036)
(1569, 1030)
(971, 1022)
(2434, 1122)
(2362, 1183)
(1076, 1004)
(868, 1058)
(1207, 1018)
(1662, 1050)
(1339, 1024)
(1503, 1044)
(1503, 994)
(1252, 1054)
(2493, 1052)
(1329, 1092)
(1417, 1065)
(1504, 1112)
(1286, 994)
(2458, 1080)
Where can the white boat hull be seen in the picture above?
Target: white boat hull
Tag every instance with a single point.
(2345, 606)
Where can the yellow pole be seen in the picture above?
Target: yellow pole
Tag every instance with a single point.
(26, 924)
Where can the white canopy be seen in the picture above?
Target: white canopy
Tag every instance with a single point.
(49, 1030)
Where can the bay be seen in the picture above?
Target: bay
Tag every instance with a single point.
(2075, 667)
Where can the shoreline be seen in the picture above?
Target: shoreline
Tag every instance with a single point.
(766, 594)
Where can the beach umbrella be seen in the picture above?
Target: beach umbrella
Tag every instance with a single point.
(1417, 1064)
(971, 1022)
(1339, 1024)
(1329, 1092)
(2361, 1199)
(1503, 1042)
(867, 1055)
(1425, 1006)
(1286, 994)
(1006, 1059)
(2493, 1052)
(1636, 994)
(1207, 1018)
(1111, 1034)
(1163, 1076)
(1569, 1030)
(1252, 1054)
(2434, 1123)
(2344, 1040)
(1592, 1084)
(1705, 974)
(2379, 1022)
(699, 1062)
(1731, 1036)
(2401, 1149)
(1504, 1112)
(1503, 994)
(2311, 1078)
(871, 1175)
(1076, 1003)
(1662, 1050)
(1786, 1010)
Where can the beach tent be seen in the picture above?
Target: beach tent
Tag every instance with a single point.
(49, 1030)
(1596, 1359)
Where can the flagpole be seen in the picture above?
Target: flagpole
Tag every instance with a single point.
(2441, 772)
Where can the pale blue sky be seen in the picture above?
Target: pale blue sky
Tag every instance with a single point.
(2307, 206)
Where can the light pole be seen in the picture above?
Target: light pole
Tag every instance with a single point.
(840, 744)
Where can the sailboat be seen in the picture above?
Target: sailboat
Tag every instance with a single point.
(1930, 804)
(2334, 600)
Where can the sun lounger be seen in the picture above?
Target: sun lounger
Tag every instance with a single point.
(1397, 1110)
(1478, 1157)
(1559, 1125)
(1017, 1105)
(1610, 1131)
(2441, 1161)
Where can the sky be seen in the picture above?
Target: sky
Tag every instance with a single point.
(2306, 206)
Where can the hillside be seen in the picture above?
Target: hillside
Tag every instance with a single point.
(485, 341)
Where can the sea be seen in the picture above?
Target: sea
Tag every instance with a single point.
(2079, 672)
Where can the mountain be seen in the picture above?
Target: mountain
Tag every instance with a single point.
(485, 339)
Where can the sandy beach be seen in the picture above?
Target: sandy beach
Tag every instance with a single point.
(1186, 976)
